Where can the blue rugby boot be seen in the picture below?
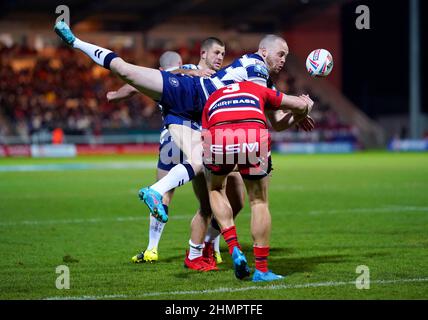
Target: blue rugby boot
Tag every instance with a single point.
(153, 200)
(259, 276)
(64, 32)
(240, 264)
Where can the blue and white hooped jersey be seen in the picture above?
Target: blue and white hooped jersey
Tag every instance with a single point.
(169, 70)
(184, 96)
(249, 67)
(179, 113)
(190, 66)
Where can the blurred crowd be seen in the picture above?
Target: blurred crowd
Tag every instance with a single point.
(61, 88)
(64, 89)
(329, 125)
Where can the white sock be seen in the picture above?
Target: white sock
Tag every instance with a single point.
(217, 244)
(195, 250)
(177, 176)
(97, 54)
(155, 233)
(212, 234)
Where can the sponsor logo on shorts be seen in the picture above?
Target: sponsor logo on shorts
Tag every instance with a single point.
(234, 148)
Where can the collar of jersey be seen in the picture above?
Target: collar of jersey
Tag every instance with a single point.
(255, 56)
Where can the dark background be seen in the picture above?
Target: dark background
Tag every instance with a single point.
(376, 61)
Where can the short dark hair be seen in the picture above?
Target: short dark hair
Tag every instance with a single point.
(208, 42)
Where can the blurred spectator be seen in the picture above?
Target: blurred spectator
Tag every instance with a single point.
(57, 136)
(65, 91)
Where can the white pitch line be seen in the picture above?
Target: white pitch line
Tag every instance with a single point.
(179, 217)
(77, 166)
(91, 220)
(371, 210)
(231, 290)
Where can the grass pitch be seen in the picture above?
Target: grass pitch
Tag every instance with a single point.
(330, 213)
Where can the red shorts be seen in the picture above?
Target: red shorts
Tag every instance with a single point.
(245, 144)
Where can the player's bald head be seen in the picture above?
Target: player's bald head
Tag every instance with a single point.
(274, 50)
(170, 59)
(270, 40)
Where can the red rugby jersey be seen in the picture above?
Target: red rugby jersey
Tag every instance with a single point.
(239, 101)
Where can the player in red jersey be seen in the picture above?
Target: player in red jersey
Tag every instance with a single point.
(235, 134)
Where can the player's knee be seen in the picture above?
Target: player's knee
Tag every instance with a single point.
(202, 215)
(258, 202)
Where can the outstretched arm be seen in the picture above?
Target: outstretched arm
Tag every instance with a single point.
(297, 105)
(123, 92)
(195, 72)
(281, 120)
(293, 110)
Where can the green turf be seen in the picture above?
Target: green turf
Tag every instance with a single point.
(330, 213)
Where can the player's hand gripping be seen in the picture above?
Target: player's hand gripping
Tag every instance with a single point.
(123, 92)
(307, 124)
(309, 103)
(111, 96)
(204, 73)
(304, 121)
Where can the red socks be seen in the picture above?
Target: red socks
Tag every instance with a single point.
(261, 255)
(231, 238)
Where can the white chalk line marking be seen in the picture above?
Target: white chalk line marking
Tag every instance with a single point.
(372, 210)
(91, 220)
(77, 166)
(231, 290)
(179, 217)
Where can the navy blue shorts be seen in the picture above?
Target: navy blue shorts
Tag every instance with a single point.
(181, 98)
(176, 119)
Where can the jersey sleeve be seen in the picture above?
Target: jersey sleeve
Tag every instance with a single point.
(258, 74)
(189, 66)
(273, 98)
